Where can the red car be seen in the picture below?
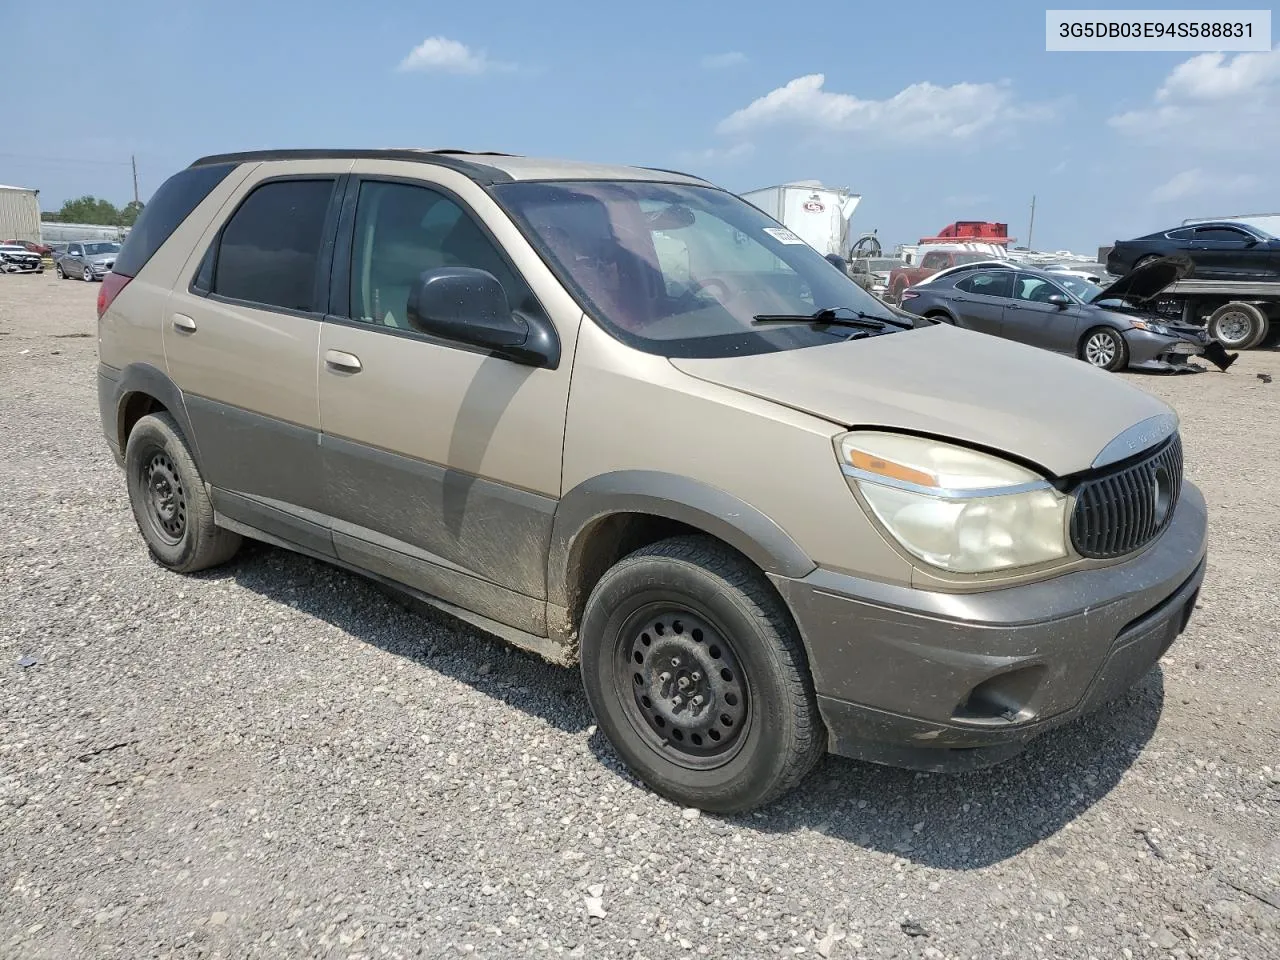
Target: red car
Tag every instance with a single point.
(31, 245)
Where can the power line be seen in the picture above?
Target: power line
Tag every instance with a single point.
(84, 160)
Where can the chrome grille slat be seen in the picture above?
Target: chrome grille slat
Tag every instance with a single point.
(1119, 512)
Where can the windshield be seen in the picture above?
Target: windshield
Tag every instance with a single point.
(682, 271)
(1082, 288)
(93, 249)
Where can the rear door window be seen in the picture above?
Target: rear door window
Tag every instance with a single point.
(268, 253)
(997, 283)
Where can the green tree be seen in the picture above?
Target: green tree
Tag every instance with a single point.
(90, 210)
(129, 213)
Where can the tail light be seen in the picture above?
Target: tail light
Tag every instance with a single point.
(909, 295)
(112, 284)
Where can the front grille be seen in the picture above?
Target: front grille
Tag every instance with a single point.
(1123, 511)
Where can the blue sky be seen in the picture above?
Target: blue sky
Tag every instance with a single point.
(934, 112)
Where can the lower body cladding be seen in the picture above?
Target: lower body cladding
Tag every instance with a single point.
(936, 681)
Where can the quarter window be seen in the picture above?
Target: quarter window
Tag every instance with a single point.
(998, 283)
(269, 251)
(403, 230)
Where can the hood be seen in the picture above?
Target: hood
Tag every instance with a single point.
(1148, 281)
(1050, 410)
(104, 257)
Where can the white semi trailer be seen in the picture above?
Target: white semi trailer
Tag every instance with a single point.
(817, 214)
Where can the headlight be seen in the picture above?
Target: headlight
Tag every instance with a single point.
(955, 508)
(1150, 327)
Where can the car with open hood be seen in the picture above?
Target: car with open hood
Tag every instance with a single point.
(623, 419)
(1110, 327)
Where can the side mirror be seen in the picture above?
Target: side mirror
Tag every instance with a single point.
(1250, 241)
(1060, 301)
(469, 306)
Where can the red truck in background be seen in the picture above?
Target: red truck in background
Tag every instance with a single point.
(965, 241)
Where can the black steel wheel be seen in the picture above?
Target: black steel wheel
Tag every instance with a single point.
(688, 693)
(169, 501)
(696, 674)
(166, 497)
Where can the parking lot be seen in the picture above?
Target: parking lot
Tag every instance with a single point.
(273, 759)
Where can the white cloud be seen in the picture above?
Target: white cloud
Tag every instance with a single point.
(1212, 102)
(722, 61)
(921, 113)
(1211, 76)
(442, 55)
(1196, 182)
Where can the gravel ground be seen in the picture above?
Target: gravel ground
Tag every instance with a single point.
(272, 760)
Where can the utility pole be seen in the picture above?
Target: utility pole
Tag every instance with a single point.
(134, 161)
(1031, 226)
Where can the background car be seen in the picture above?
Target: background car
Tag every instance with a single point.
(1105, 327)
(17, 259)
(30, 245)
(87, 260)
(1220, 250)
(872, 273)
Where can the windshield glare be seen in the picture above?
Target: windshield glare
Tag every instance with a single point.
(682, 271)
(93, 249)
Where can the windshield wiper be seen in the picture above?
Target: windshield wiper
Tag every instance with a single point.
(830, 315)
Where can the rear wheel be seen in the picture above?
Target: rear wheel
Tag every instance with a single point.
(1105, 348)
(696, 674)
(169, 500)
(1238, 326)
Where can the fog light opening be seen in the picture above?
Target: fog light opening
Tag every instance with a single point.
(1003, 698)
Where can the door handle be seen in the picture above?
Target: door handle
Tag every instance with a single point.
(183, 323)
(342, 361)
(960, 299)
(1013, 306)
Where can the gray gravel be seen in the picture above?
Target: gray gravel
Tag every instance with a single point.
(273, 760)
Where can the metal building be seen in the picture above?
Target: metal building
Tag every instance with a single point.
(19, 214)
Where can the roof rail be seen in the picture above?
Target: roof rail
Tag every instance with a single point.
(678, 173)
(479, 172)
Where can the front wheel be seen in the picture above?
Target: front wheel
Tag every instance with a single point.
(696, 674)
(1104, 348)
(87, 275)
(169, 500)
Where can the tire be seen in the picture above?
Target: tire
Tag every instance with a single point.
(1143, 261)
(62, 274)
(1238, 326)
(87, 275)
(169, 500)
(941, 316)
(693, 611)
(1104, 348)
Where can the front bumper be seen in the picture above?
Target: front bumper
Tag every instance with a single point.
(1154, 351)
(23, 266)
(941, 681)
